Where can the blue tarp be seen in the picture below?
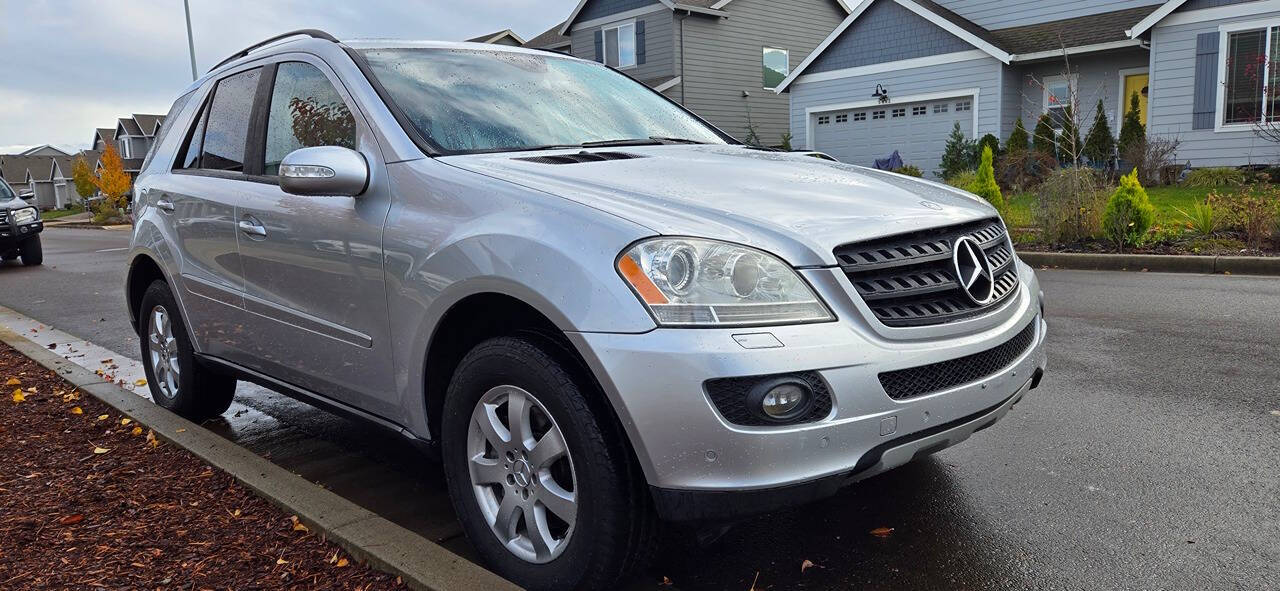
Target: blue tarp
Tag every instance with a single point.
(893, 162)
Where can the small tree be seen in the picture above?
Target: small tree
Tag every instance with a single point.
(1044, 140)
(82, 176)
(1132, 131)
(1129, 213)
(786, 141)
(114, 183)
(985, 184)
(1069, 145)
(1017, 139)
(988, 140)
(957, 156)
(1099, 145)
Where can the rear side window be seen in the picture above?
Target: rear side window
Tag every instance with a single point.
(228, 125)
(164, 128)
(306, 111)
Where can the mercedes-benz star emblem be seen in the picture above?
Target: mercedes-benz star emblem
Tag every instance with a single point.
(973, 270)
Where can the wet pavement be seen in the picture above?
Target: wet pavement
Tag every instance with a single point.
(1149, 458)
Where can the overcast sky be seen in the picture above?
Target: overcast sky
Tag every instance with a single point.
(70, 66)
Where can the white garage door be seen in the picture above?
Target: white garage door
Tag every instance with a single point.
(918, 131)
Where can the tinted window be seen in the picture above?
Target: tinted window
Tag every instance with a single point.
(306, 111)
(228, 122)
(474, 100)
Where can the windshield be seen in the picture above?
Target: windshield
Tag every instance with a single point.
(465, 100)
(5, 192)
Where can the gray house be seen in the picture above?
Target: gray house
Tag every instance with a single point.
(720, 58)
(898, 74)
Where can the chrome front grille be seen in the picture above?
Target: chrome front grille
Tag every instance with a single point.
(910, 279)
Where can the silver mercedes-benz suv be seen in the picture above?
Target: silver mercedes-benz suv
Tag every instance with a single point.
(602, 309)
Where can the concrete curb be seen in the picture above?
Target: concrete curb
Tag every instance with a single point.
(1166, 263)
(384, 545)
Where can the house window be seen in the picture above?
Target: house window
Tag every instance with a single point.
(842, 118)
(1059, 94)
(941, 108)
(1248, 74)
(620, 46)
(824, 119)
(860, 116)
(877, 114)
(900, 112)
(920, 110)
(963, 106)
(777, 65)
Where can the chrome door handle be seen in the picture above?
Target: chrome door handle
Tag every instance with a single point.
(251, 228)
(165, 204)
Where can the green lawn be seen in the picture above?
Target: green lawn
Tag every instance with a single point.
(1020, 211)
(62, 213)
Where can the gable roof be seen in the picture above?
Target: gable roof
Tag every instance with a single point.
(129, 126)
(494, 37)
(1042, 40)
(711, 7)
(148, 123)
(106, 134)
(42, 150)
(550, 38)
(1158, 15)
(61, 167)
(15, 168)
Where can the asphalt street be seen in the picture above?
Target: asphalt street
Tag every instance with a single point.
(1148, 459)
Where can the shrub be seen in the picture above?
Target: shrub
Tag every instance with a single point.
(957, 156)
(1018, 139)
(1151, 156)
(786, 142)
(990, 141)
(1024, 169)
(1044, 140)
(1132, 131)
(1204, 219)
(1129, 213)
(1070, 148)
(1254, 210)
(1099, 146)
(1215, 177)
(1069, 205)
(962, 180)
(984, 185)
(909, 170)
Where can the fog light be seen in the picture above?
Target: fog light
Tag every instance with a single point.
(782, 400)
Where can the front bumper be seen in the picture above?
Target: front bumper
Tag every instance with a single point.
(693, 457)
(12, 234)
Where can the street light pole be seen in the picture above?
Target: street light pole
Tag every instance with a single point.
(191, 44)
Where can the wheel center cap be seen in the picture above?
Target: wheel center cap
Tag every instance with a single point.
(522, 473)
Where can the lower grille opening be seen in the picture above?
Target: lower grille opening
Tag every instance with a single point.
(936, 377)
(730, 396)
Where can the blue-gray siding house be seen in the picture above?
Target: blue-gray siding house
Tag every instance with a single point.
(898, 74)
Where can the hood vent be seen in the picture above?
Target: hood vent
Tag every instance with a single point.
(581, 157)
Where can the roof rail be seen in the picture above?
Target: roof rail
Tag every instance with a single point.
(314, 33)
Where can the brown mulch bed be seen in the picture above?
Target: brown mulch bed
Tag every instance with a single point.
(90, 501)
(1207, 247)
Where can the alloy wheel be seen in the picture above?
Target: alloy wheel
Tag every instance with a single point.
(163, 350)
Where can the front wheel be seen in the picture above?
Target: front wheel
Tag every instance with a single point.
(176, 380)
(539, 474)
(31, 251)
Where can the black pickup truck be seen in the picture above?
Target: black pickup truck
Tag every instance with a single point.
(20, 228)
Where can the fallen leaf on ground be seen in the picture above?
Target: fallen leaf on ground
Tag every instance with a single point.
(18, 397)
(666, 581)
(125, 421)
(100, 450)
(281, 561)
(882, 532)
(342, 563)
(77, 411)
(53, 345)
(71, 519)
(151, 438)
(136, 431)
(107, 360)
(806, 565)
(12, 382)
(179, 430)
(73, 395)
(103, 417)
(296, 525)
(140, 382)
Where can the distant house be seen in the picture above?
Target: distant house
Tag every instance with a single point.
(898, 74)
(103, 137)
(551, 39)
(23, 173)
(64, 187)
(42, 150)
(719, 58)
(504, 37)
(40, 183)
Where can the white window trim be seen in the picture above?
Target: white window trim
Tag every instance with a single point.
(1122, 107)
(604, 42)
(1073, 81)
(1224, 32)
(786, 52)
(810, 112)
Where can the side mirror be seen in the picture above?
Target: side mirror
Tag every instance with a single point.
(324, 170)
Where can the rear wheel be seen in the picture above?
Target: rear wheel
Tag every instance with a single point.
(176, 380)
(539, 475)
(32, 252)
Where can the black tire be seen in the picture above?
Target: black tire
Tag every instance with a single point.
(615, 521)
(32, 252)
(202, 393)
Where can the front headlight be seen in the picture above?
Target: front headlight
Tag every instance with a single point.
(694, 282)
(25, 215)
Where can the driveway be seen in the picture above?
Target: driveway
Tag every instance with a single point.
(1149, 458)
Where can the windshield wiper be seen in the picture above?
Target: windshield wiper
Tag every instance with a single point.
(676, 140)
(650, 141)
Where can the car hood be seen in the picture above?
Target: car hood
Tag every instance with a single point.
(12, 204)
(793, 205)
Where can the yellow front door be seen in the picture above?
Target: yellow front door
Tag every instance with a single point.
(1136, 83)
